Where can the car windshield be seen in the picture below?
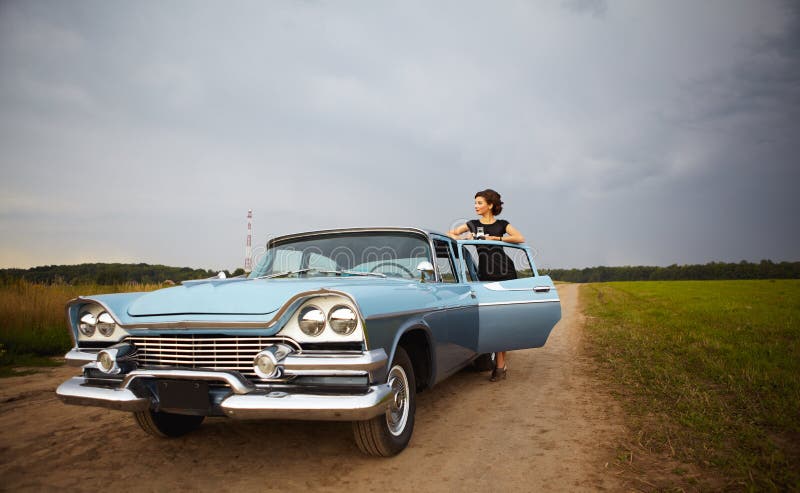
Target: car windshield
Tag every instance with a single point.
(382, 254)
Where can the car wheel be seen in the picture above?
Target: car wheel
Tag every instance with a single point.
(167, 425)
(485, 362)
(389, 433)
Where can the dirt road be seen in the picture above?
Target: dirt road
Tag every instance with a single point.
(550, 426)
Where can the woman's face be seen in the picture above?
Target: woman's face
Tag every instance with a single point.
(481, 207)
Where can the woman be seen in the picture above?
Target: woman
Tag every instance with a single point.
(493, 263)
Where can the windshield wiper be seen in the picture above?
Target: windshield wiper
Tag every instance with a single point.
(281, 274)
(353, 272)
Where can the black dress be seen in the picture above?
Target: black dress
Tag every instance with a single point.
(493, 262)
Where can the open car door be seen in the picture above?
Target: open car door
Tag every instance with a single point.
(515, 313)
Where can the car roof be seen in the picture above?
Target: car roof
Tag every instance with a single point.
(391, 229)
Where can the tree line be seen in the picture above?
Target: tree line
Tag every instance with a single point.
(107, 274)
(766, 269)
(116, 273)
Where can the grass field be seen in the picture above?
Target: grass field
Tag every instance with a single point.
(708, 372)
(33, 323)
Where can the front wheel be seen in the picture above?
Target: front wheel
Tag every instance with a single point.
(167, 425)
(485, 362)
(388, 434)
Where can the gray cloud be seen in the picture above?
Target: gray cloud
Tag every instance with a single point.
(594, 7)
(640, 133)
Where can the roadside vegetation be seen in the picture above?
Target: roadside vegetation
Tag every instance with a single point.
(708, 372)
(33, 323)
(107, 274)
(766, 269)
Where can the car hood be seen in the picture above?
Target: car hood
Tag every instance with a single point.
(240, 296)
(231, 297)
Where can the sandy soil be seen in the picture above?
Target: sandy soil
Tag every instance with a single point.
(550, 426)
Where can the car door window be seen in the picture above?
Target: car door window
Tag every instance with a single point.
(444, 261)
(469, 257)
(521, 263)
(518, 256)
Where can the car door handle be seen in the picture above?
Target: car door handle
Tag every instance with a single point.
(542, 289)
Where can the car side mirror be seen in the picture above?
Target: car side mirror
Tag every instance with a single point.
(425, 269)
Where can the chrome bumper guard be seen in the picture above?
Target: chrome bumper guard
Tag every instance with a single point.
(246, 401)
(76, 357)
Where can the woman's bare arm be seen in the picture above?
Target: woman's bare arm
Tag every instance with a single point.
(514, 236)
(457, 232)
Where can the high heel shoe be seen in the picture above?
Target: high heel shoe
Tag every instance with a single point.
(499, 374)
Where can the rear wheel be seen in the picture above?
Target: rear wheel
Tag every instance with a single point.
(167, 425)
(389, 433)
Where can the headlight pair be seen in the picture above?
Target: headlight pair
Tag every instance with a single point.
(103, 323)
(341, 318)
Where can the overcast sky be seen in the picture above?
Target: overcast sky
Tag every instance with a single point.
(619, 132)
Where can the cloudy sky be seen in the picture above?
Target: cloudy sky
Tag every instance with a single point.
(618, 132)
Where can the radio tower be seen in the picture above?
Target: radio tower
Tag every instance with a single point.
(248, 249)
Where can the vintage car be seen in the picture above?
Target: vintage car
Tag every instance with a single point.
(344, 325)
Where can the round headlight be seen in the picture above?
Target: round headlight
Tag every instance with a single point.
(86, 324)
(105, 324)
(343, 320)
(311, 320)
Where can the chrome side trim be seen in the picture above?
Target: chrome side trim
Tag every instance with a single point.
(283, 405)
(554, 300)
(398, 314)
(496, 286)
(414, 312)
(238, 384)
(76, 391)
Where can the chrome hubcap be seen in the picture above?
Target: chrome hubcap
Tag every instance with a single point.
(397, 414)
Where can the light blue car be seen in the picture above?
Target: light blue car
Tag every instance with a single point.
(344, 325)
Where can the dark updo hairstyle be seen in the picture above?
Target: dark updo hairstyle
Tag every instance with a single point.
(492, 198)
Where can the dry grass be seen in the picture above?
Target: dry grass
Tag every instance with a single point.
(33, 324)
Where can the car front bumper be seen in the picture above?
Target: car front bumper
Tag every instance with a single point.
(257, 404)
(236, 397)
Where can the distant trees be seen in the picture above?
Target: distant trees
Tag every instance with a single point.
(109, 274)
(766, 269)
(105, 274)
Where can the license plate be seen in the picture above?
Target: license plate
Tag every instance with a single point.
(183, 394)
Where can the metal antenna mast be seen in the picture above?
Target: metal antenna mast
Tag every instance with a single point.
(248, 249)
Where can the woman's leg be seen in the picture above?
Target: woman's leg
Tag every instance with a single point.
(500, 361)
(499, 371)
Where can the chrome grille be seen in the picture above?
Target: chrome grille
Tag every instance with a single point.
(199, 351)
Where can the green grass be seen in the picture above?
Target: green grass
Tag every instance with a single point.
(33, 322)
(709, 371)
